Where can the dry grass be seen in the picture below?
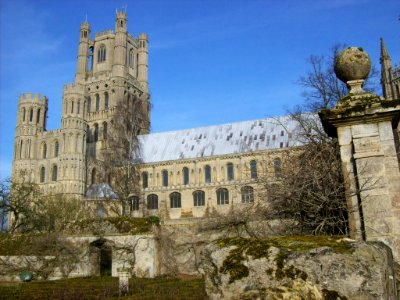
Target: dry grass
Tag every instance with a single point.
(100, 288)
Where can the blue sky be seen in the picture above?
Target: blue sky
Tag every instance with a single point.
(210, 61)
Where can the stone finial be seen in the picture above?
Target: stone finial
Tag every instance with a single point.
(352, 66)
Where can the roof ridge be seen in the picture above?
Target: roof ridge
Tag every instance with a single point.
(216, 125)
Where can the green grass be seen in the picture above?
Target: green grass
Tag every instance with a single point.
(100, 288)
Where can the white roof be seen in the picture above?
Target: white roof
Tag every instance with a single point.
(239, 137)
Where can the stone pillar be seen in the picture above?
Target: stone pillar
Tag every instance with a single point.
(365, 126)
(124, 275)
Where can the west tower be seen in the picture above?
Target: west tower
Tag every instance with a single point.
(111, 69)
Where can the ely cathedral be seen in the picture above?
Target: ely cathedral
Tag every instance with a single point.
(182, 173)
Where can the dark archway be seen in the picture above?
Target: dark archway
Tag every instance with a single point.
(101, 257)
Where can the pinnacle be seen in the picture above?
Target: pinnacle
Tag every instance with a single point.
(384, 52)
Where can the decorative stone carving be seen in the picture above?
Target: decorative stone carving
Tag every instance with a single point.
(352, 63)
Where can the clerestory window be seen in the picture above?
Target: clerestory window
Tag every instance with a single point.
(253, 169)
(185, 174)
(207, 174)
(229, 170)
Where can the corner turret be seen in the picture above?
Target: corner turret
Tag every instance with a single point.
(32, 113)
(119, 66)
(83, 51)
(143, 58)
(31, 121)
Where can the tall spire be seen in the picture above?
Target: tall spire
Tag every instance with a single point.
(384, 52)
(386, 73)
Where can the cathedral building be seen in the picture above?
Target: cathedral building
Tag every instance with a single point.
(183, 173)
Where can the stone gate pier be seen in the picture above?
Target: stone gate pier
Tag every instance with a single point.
(366, 127)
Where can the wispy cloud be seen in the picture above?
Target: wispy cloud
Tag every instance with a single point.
(26, 31)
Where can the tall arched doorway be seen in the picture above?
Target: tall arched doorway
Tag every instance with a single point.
(101, 257)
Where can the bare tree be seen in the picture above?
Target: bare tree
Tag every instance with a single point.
(18, 200)
(4, 203)
(322, 89)
(309, 193)
(122, 155)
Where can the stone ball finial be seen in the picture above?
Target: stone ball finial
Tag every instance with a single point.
(352, 63)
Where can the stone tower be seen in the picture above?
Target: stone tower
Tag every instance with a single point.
(31, 122)
(111, 69)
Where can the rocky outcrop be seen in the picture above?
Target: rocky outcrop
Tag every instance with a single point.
(298, 268)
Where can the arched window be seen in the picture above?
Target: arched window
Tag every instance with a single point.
(38, 116)
(101, 54)
(44, 150)
(97, 102)
(96, 132)
(207, 174)
(78, 107)
(278, 167)
(105, 100)
(222, 196)
(42, 174)
(72, 107)
(152, 201)
(185, 175)
(229, 171)
(20, 148)
(23, 114)
(94, 176)
(164, 177)
(134, 203)
(56, 148)
(137, 69)
(88, 134)
(131, 59)
(54, 173)
(105, 129)
(145, 180)
(90, 60)
(253, 169)
(175, 200)
(199, 198)
(31, 115)
(247, 194)
(89, 104)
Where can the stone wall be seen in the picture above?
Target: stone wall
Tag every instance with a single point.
(138, 253)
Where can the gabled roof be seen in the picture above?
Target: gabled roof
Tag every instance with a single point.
(239, 137)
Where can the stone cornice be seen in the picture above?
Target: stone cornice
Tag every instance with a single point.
(352, 110)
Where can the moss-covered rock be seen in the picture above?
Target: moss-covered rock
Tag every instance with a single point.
(297, 267)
